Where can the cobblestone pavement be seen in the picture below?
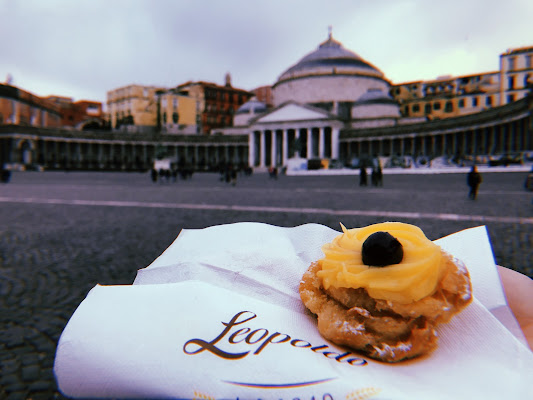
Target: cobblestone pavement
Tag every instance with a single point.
(62, 233)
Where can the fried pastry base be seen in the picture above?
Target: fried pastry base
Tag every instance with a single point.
(386, 330)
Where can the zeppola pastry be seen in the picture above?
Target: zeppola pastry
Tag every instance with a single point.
(383, 289)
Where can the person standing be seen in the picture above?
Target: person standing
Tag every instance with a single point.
(377, 176)
(473, 179)
(362, 176)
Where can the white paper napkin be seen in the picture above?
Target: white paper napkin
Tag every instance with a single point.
(218, 315)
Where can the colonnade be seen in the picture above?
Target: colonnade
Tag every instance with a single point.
(509, 137)
(61, 153)
(508, 129)
(274, 146)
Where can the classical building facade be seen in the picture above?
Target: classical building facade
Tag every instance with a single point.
(331, 104)
(334, 104)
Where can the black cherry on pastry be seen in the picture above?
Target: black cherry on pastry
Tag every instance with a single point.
(381, 249)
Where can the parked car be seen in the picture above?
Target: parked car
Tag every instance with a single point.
(506, 159)
(335, 164)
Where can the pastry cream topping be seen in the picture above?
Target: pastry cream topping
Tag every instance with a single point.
(415, 277)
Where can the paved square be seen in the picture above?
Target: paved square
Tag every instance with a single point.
(62, 233)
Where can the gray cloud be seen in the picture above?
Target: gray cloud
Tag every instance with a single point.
(84, 48)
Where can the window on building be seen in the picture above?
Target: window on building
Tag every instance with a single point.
(448, 107)
(510, 82)
(528, 61)
(427, 108)
(165, 117)
(461, 103)
(512, 63)
(526, 80)
(436, 105)
(474, 102)
(510, 98)
(416, 108)
(488, 101)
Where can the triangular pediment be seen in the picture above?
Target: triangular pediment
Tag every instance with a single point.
(293, 112)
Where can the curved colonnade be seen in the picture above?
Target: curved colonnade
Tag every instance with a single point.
(498, 131)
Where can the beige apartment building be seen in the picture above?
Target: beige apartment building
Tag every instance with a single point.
(516, 72)
(449, 96)
(133, 107)
(138, 109)
(190, 108)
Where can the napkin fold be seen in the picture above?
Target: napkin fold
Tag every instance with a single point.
(218, 315)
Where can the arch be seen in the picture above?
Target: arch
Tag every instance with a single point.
(26, 151)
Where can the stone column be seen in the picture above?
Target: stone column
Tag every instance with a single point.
(273, 148)
(262, 149)
(321, 142)
(284, 146)
(251, 149)
(309, 143)
(99, 152)
(335, 143)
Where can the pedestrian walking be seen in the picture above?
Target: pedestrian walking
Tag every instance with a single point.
(153, 175)
(473, 179)
(377, 176)
(362, 176)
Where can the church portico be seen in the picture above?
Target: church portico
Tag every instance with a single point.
(292, 130)
(274, 146)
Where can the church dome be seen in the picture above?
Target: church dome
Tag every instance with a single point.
(376, 96)
(330, 57)
(375, 104)
(247, 111)
(329, 77)
(252, 106)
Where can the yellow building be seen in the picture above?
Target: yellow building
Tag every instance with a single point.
(133, 107)
(516, 72)
(137, 108)
(178, 113)
(449, 96)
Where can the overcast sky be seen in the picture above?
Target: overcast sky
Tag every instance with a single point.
(84, 48)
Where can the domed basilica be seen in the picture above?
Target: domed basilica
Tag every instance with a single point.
(333, 104)
(329, 89)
